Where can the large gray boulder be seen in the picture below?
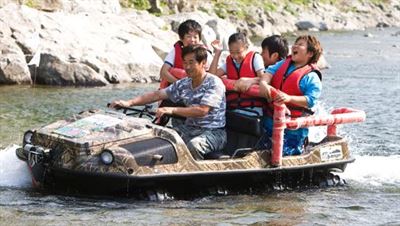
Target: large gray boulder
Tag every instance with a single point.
(71, 6)
(53, 71)
(82, 6)
(13, 68)
(98, 43)
(6, 2)
(94, 48)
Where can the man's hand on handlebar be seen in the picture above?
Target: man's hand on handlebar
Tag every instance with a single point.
(164, 110)
(119, 104)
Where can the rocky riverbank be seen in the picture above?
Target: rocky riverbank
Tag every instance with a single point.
(96, 43)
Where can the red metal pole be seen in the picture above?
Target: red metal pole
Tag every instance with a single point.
(279, 126)
(277, 134)
(338, 116)
(348, 115)
(230, 85)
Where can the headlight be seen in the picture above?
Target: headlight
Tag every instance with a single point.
(107, 157)
(28, 137)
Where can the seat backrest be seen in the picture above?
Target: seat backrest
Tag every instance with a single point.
(243, 131)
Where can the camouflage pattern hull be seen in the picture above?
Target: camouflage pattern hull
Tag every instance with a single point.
(108, 153)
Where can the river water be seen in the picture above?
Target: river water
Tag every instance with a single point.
(364, 74)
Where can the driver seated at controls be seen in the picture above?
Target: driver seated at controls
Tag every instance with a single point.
(203, 95)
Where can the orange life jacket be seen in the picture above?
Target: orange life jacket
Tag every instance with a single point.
(178, 63)
(246, 69)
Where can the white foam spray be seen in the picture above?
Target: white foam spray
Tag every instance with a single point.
(13, 172)
(371, 170)
(374, 170)
(317, 133)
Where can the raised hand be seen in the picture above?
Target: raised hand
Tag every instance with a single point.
(217, 45)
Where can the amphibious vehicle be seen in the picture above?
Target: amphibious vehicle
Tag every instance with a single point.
(105, 152)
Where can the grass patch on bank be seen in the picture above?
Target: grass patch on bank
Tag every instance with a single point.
(32, 3)
(136, 4)
(247, 10)
(223, 8)
(300, 2)
(238, 8)
(377, 2)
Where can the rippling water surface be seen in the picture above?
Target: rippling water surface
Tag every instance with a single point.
(364, 74)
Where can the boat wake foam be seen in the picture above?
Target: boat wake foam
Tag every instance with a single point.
(374, 170)
(13, 172)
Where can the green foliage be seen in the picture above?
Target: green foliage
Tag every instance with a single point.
(164, 6)
(269, 6)
(351, 9)
(241, 14)
(141, 4)
(31, 3)
(204, 10)
(331, 2)
(240, 9)
(290, 9)
(377, 2)
(136, 4)
(166, 27)
(300, 2)
(220, 9)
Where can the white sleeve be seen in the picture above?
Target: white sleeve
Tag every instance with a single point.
(209, 60)
(223, 67)
(170, 58)
(258, 63)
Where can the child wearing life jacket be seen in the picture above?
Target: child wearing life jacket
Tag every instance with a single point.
(274, 49)
(299, 81)
(189, 34)
(244, 66)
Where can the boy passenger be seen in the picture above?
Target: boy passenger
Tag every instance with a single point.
(189, 34)
(299, 81)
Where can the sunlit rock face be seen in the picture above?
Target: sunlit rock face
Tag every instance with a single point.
(83, 48)
(96, 43)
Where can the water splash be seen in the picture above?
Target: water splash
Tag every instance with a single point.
(317, 133)
(13, 172)
(374, 170)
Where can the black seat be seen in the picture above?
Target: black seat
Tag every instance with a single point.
(243, 132)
